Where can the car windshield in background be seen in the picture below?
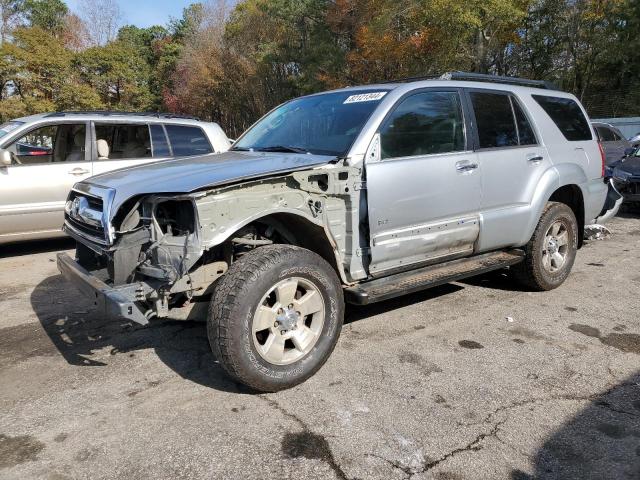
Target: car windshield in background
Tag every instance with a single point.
(9, 127)
(325, 124)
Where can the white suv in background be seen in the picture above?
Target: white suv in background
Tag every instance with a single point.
(43, 156)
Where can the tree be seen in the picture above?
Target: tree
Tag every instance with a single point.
(117, 74)
(154, 45)
(40, 64)
(48, 15)
(104, 19)
(75, 34)
(11, 12)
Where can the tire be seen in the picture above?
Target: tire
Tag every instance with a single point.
(541, 270)
(256, 292)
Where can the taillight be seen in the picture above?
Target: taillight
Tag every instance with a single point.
(603, 156)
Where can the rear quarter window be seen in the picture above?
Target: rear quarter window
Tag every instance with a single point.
(567, 115)
(186, 140)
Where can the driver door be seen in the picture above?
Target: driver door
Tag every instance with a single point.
(47, 162)
(423, 188)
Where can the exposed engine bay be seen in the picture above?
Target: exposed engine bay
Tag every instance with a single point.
(170, 249)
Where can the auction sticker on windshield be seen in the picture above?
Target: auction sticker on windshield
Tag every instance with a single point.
(365, 97)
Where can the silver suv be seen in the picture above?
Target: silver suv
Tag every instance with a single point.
(360, 194)
(42, 156)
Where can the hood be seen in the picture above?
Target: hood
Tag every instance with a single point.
(629, 167)
(189, 174)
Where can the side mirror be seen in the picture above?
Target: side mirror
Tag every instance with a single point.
(629, 151)
(5, 158)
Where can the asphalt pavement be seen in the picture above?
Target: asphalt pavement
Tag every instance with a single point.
(471, 380)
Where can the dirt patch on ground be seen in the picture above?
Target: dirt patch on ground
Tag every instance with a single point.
(470, 344)
(17, 450)
(24, 341)
(625, 342)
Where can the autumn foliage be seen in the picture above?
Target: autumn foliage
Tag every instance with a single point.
(232, 61)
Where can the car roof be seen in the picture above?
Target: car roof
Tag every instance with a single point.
(430, 83)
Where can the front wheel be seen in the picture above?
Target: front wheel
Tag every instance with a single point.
(552, 249)
(275, 317)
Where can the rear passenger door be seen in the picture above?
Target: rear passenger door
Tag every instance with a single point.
(512, 162)
(128, 144)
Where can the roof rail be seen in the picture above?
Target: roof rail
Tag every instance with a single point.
(482, 77)
(108, 113)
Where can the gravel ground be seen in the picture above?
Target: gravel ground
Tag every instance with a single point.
(472, 380)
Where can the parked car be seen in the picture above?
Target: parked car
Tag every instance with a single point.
(613, 142)
(42, 156)
(635, 140)
(363, 194)
(626, 176)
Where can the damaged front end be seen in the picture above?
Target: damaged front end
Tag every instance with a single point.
(160, 252)
(136, 265)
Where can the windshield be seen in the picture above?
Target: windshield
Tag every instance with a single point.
(325, 124)
(9, 127)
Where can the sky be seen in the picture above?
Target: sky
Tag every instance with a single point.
(144, 13)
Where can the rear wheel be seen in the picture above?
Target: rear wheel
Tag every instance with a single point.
(551, 252)
(275, 317)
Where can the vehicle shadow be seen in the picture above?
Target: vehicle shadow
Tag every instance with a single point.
(82, 336)
(36, 246)
(602, 441)
(496, 280)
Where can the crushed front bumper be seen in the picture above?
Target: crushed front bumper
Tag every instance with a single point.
(113, 302)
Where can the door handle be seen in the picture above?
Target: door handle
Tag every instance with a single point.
(78, 171)
(535, 159)
(466, 166)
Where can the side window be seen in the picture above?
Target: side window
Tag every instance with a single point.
(616, 136)
(124, 141)
(605, 134)
(494, 119)
(49, 144)
(187, 140)
(422, 124)
(525, 131)
(567, 115)
(159, 144)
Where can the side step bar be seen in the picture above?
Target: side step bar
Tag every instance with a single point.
(431, 276)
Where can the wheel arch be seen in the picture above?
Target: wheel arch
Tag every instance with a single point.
(572, 196)
(298, 230)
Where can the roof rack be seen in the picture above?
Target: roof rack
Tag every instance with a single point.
(108, 113)
(481, 77)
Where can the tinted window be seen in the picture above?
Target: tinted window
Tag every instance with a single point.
(422, 124)
(494, 119)
(52, 143)
(567, 116)
(160, 146)
(525, 132)
(187, 140)
(325, 124)
(126, 141)
(604, 134)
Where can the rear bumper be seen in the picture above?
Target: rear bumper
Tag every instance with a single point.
(611, 204)
(113, 302)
